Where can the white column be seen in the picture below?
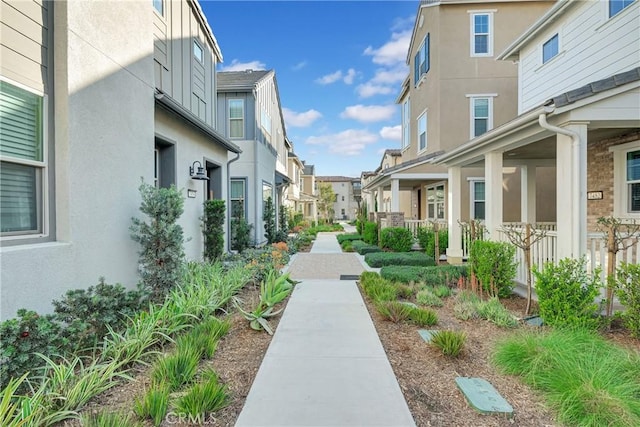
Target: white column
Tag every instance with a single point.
(395, 195)
(571, 187)
(380, 199)
(370, 202)
(493, 188)
(454, 188)
(528, 193)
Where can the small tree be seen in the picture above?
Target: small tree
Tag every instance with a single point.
(326, 199)
(213, 229)
(161, 239)
(240, 230)
(283, 218)
(269, 218)
(494, 265)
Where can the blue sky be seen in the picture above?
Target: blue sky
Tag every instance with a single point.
(339, 67)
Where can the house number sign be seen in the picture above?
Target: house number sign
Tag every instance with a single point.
(594, 195)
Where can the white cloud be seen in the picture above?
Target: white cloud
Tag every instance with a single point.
(350, 142)
(369, 89)
(330, 78)
(392, 52)
(299, 66)
(403, 24)
(369, 113)
(390, 76)
(349, 76)
(301, 120)
(393, 133)
(236, 65)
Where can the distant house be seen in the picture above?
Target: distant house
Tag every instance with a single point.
(308, 195)
(251, 116)
(293, 197)
(345, 189)
(94, 98)
(579, 115)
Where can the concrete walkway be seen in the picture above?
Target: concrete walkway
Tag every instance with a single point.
(325, 365)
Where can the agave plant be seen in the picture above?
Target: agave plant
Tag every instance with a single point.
(258, 316)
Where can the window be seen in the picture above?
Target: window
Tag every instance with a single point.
(23, 165)
(236, 118)
(626, 179)
(550, 49)
(422, 132)
(265, 121)
(164, 173)
(343, 198)
(198, 52)
(237, 198)
(616, 6)
(481, 115)
(267, 193)
(633, 181)
(421, 61)
(477, 200)
(435, 202)
(405, 124)
(159, 6)
(481, 36)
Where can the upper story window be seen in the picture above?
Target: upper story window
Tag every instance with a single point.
(481, 114)
(198, 52)
(158, 5)
(616, 6)
(550, 48)
(23, 164)
(405, 124)
(236, 118)
(421, 61)
(481, 34)
(422, 132)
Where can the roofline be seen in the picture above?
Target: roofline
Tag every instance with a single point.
(165, 101)
(404, 89)
(234, 88)
(511, 52)
(208, 33)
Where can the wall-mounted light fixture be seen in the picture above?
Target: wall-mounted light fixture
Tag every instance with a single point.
(198, 173)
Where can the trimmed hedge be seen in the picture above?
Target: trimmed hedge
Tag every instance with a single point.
(348, 237)
(435, 275)
(370, 233)
(397, 239)
(381, 259)
(363, 248)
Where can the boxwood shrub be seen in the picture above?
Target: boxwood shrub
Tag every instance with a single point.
(380, 259)
(370, 233)
(434, 275)
(363, 248)
(348, 237)
(427, 240)
(397, 239)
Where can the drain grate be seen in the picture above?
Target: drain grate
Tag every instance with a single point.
(349, 276)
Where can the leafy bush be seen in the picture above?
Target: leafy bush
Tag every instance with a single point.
(427, 297)
(396, 239)
(364, 248)
(161, 239)
(323, 228)
(450, 343)
(431, 275)
(88, 312)
(404, 291)
(442, 291)
(269, 218)
(348, 237)
(178, 369)
(203, 398)
(469, 306)
(628, 284)
(370, 233)
(566, 294)
(427, 239)
(153, 404)
(213, 229)
(394, 311)
(381, 259)
(347, 246)
(494, 265)
(422, 316)
(380, 290)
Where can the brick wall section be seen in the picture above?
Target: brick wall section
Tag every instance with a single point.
(600, 176)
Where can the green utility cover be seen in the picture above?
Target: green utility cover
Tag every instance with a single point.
(482, 396)
(426, 334)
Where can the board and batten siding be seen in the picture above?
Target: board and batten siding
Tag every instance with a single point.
(178, 73)
(24, 40)
(592, 47)
(267, 100)
(250, 117)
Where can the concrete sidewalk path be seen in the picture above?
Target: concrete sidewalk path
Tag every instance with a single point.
(325, 365)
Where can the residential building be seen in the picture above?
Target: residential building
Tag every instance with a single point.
(455, 91)
(345, 206)
(96, 97)
(579, 113)
(250, 115)
(308, 195)
(293, 198)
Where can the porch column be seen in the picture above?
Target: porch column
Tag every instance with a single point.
(370, 202)
(571, 187)
(528, 193)
(395, 195)
(380, 199)
(493, 188)
(454, 187)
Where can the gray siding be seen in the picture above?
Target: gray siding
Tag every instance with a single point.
(249, 114)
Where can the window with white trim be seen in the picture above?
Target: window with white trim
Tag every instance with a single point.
(237, 198)
(405, 124)
(421, 63)
(159, 6)
(481, 34)
(198, 52)
(435, 202)
(477, 199)
(236, 118)
(22, 160)
(550, 48)
(422, 132)
(267, 193)
(626, 178)
(265, 121)
(616, 6)
(632, 182)
(481, 115)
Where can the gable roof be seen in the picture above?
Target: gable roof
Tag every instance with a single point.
(200, 16)
(596, 87)
(240, 80)
(336, 179)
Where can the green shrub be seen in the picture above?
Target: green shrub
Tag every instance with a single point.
(394, 311)
(493, 311)
(380, 291)
(347, 246)
(628, 284)
(427, 297)
(427, 240)
(431, 275)
(450, 343)
(240, 230)
(108, 419)
(364, 248)
(153, 404)
(381, 259)
(566, 294)
(422, 316)
(586, 379)
(369, 276)
(213, 229)
(396, 239)
(348, 237)
(494, 265)
(178, 369)
(442, 291)
(161, 239)
(404, 291)
(370, 233)
(203, 398)
(269, 218)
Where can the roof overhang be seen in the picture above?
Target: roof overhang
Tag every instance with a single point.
(282, 179)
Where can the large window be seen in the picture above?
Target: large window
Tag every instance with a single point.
(237, 198)
(23, 164)
(550, 48)
(633, 181)
(616, 6)
(435, 202)
(481, 115)
(236, 118)
(481, 34)
(477, 200)
(405, 124)
(626, 178)
(422, 132)
(421, 61)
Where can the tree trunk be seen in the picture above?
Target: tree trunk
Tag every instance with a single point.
(527, 261)
(611, 267)
(436, 239)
